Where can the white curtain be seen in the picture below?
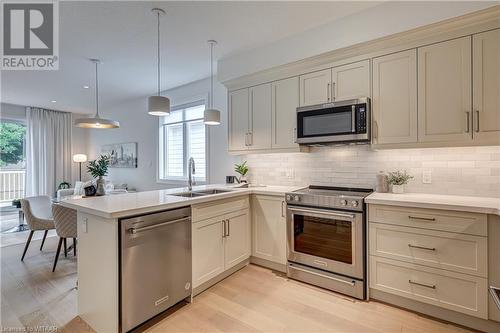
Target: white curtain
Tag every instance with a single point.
(48, 150)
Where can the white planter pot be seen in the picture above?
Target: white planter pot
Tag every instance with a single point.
(398, 189)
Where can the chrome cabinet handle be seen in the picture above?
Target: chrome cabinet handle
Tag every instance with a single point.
(282, 211)
(421, 218)
(467, 122)
(328, 92)
(431, 286)
(333, 91)
(223, 228)
(477, 121)
(154, 226)
(250, 137)
(295, 134)
(228, 230)
(422, 247)
(375, 130)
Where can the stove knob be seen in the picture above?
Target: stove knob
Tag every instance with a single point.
(296, 198)
(288, 197)
(354, 203)
(343, 202)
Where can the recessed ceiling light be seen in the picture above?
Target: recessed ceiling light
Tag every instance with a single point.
(53, 101)
(86, 87)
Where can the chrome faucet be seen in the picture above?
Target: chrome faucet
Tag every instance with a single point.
(191, 171)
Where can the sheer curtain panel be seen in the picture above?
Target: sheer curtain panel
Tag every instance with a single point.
(48, 150)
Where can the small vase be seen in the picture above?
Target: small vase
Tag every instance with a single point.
(243, 180)
(100, 187)
(398, 189)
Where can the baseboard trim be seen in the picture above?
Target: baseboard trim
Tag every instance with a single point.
(204, 286)
(489, 326)
(268, 264)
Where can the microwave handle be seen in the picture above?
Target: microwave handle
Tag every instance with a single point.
(353, 118)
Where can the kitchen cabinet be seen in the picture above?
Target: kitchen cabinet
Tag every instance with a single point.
(208, 250)
(315, 87)
(237, 239)
(394, 102)
(486, 85)
(259, 131)
(269, 228)
(445, 91)
(285, 100)
(238, 119)
(351, 81)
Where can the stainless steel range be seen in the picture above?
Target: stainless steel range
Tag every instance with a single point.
(326, 238)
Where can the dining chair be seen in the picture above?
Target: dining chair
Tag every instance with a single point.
(38, 213)
(65, 222)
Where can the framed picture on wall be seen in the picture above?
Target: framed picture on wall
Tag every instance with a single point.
(123, 155)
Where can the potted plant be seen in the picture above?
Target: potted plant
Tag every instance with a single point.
(99, 168)
(242, 169)
(398, 179)
(16, 203)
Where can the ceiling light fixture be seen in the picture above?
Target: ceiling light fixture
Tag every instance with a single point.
(85, 87)
(96, 121)
(53, 101)
(158, 105)
(211, 116)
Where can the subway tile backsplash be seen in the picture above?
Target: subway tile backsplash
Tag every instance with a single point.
(473, 171)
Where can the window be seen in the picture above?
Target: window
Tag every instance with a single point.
(182, 135)
(12, 160)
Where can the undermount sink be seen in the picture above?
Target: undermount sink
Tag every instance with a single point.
(195, 194)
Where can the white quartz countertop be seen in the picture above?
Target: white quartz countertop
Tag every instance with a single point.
(129, 204)
(484, 205)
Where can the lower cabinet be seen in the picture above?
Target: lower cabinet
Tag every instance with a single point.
(219, 243)
(269, 228)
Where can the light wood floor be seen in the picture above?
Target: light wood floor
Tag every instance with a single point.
(254, 299)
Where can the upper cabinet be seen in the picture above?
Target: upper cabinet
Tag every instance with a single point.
(394, 101)
(339, 83)
(351, 81)
(316, 87)
(238, 120)
(259, 132)
(486, 83)
(445, 91)
(285, 100)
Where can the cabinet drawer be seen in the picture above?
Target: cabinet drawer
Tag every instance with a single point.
(435, 219)
(211, 209)
(454, 291)
(451, 251)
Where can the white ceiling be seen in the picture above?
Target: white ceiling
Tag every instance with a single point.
(123, 35)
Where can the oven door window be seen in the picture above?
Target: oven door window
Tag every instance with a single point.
(327, 238)
(325, 122)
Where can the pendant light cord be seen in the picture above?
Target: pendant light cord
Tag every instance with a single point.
(96, 90)
(211, 75)
(158, 54)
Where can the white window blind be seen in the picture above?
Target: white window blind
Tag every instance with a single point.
(182, 135)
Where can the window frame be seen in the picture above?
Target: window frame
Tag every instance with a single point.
(195, 101)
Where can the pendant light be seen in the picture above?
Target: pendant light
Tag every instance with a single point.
(96, 121)
(158, 105)
(211, 116)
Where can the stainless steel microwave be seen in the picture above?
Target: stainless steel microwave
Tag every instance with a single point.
(338, 122)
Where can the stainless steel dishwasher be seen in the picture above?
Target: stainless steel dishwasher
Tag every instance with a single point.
(155, 264)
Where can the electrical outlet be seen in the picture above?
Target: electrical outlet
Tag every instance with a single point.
(289, 173)
(427, 176)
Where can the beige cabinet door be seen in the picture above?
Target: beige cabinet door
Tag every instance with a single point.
(394, 102)
(444, 91)
(260, 117)
(207, 250)
(238, 120)
(486, 96)
(351, 81)
(237, 240)
(285, 100)
(316, 87)
(269, 228)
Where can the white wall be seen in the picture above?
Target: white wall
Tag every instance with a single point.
(379, 21)
(471, 171)
(137, 126)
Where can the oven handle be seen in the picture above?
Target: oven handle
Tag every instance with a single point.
(351, 283)
(322, 212)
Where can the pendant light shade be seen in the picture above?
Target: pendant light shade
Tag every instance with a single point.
(96, 121)
(211, 116)
(158, 105)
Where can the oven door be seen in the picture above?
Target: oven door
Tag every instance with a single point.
(327, 239)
